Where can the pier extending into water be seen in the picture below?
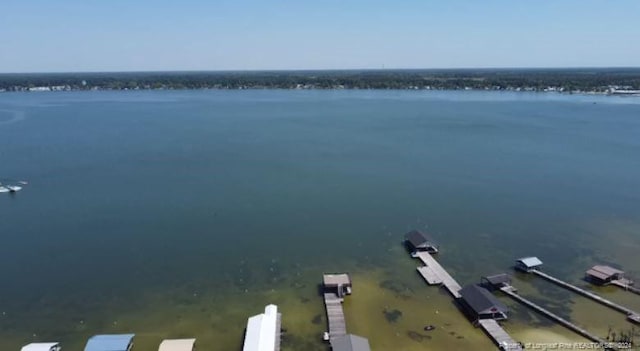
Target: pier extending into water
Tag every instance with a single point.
(335, 287)
(498, 335)
(434, 274)
(335, 316)
(607, 275)
(624, 283)
(512, 292)
(632, 316)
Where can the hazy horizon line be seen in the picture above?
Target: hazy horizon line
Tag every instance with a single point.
(331, 69)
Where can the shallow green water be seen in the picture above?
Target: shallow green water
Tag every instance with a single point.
(174, 214)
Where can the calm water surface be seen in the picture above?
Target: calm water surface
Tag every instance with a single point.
(181, 213)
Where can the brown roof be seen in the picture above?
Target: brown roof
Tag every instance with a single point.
(603, 272)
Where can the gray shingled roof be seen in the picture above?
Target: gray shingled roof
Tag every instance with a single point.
(350, 342)
(481, 300)
(419, 239)
(498, 279)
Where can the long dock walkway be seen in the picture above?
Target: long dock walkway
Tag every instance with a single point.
(623, 283)
(335, 316)
(434, 274)
(631, 315)
(278, 331)
(498, 335)
(511, 292)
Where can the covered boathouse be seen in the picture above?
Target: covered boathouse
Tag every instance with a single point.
(350, 342)
(42, 346)
(528, 264)
(478, 303)
(416, 240)
(263, 331)
(177, 345)
(602, 275)
(339, 284)
(110, 342)
(496, 281)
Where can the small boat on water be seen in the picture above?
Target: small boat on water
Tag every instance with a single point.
(11, 188)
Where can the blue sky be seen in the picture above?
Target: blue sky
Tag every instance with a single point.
(143, 35)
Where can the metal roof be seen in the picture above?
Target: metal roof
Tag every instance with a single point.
(41, 346)
(481, 300)
(597, 274)
(530, 262)
(418, 238)
(177, 345)
(262, 331)
(336, 279)
(606, 270)
(350, 342)
(109, 342)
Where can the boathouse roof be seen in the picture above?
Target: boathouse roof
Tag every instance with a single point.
(481, 300)
(41, 346)
(498, 279)
(333, 280)
(109, 342)
(530, 262)
(177, 345)
(262, 331)
(419, 239)
(604, 272)
(350, 342)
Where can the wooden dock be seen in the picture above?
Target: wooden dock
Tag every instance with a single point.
(278, 331)
(335, 316)
(433, 272)
(511, 292)
(429, 275)
(626, 285)
(632, 316)
(499, 336)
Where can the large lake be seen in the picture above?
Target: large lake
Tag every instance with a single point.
(182, 213)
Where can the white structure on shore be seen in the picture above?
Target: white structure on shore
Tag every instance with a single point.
(42, 346)
(177, 345)
(263, 331)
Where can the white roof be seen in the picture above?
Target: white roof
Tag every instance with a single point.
(530, 261)
(177, 345)
(40, 346)
(261, 331)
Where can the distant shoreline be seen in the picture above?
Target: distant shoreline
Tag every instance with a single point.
(613, 81)
(583, 93)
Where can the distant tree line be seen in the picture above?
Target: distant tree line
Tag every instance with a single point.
(594, 80)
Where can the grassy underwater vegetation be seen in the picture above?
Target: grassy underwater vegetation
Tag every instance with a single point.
(390, 305)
